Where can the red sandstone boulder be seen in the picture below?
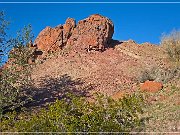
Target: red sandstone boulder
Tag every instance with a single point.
(48, 39)
(151, 86)
(68, 27)
(53, 39)
(92, 33)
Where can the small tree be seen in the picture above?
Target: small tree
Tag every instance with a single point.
(171, 44)
(15, 78)
(3, 36)
(21, 52)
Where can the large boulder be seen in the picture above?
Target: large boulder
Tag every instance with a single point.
(49, 39)
(92, 33)
(53, 39)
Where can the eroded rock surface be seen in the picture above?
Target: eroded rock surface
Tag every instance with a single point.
(53, 39)
(92, 33)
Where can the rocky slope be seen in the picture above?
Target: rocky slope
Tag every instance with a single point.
(87, 51)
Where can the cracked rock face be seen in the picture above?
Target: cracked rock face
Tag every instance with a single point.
(49, 39)
(53, 39)
(92, 33)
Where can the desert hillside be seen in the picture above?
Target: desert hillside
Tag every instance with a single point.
(87, 51)
(82, 58)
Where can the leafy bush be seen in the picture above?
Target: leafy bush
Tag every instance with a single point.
(75, 114)
(159, 75)
(171, 43)
(15, 77)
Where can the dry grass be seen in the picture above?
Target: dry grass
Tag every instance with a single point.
(159, 74)
(163, 110)
(171, 43)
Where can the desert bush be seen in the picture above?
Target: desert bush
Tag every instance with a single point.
(159, 75)
(171, 44)
(15, 77)
(75, 114)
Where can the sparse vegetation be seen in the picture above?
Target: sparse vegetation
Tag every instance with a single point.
(21, 52)
(159, 75)
(171, 44)
(162, 110)
(4, 42)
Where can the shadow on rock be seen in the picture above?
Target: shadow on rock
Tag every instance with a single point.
(57, 88)
(114, 43)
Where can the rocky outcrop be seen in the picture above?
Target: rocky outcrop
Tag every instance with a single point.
(49, 39)
(34, 52)
(92, 33)
(151, 86)
(53, 39)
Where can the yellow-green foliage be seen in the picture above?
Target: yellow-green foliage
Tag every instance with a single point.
(75, 114)
(171, 43)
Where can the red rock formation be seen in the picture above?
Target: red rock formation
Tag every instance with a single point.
(49, 39)
(151, 86)
(53, 39)
(92, 33)
(68, 27)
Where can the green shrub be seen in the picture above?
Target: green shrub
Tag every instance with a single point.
(75, 114)
(171, 43)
